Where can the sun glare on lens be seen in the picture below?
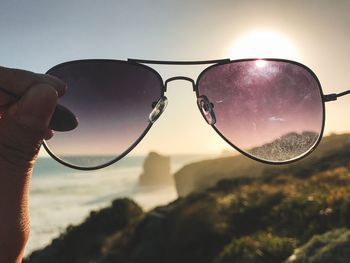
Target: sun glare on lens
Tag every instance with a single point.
(263, 44)
(260, 63)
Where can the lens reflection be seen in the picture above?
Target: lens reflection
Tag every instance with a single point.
(112, 101)
(270, 109)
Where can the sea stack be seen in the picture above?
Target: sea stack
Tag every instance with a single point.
(156, 170)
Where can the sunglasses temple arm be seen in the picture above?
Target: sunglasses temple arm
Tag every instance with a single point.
(335, 96)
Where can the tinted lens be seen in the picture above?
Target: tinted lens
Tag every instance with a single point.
(269, 109)
(112, 101)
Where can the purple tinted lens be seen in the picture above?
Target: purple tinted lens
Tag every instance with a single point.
(112, 101)
(269, 109)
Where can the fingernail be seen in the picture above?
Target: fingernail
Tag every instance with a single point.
(61, 83)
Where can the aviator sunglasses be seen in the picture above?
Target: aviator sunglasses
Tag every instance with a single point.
(271, 110)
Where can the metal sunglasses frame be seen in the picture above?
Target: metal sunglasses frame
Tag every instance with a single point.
(214, 63)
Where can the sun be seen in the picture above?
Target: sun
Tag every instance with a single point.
(263, 44)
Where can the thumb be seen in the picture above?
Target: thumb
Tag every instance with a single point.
(23, 127)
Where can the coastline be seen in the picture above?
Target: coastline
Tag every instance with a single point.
(60, 196)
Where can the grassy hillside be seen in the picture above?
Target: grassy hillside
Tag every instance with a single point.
(201, 175)
(84, 243)
(298, 213)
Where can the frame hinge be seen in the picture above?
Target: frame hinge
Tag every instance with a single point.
(330, 97)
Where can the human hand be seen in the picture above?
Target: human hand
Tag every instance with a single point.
(23, 126)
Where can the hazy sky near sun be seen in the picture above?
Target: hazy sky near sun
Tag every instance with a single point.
(39, 34)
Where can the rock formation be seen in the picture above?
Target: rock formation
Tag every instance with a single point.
(201, 175)
(156, 170)
(290, 215)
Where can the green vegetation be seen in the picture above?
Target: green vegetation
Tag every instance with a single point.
(333, 151)
(83, 243)
(263, 247)
(291, 214)
(333, 246)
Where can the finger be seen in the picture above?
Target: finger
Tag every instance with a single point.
(18, 81)
(24, 126)
(62, 86)
(6, 100)
(34, 110)
(48, 135)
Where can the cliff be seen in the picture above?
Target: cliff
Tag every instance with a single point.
(156, 170)
(201, 175)
(84, 243)
(292, 214)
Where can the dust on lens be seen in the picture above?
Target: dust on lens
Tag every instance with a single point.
(269, 109)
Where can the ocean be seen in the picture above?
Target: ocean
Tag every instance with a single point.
(60, 196)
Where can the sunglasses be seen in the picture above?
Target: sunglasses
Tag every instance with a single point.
(271, 110)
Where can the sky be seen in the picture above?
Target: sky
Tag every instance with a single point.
(38, 34)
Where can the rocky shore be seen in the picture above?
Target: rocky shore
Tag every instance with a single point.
(293, 214)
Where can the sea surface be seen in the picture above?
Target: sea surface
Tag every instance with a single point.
(60, 196)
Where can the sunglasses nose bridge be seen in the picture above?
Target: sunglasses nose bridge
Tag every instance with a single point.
(180, 78)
